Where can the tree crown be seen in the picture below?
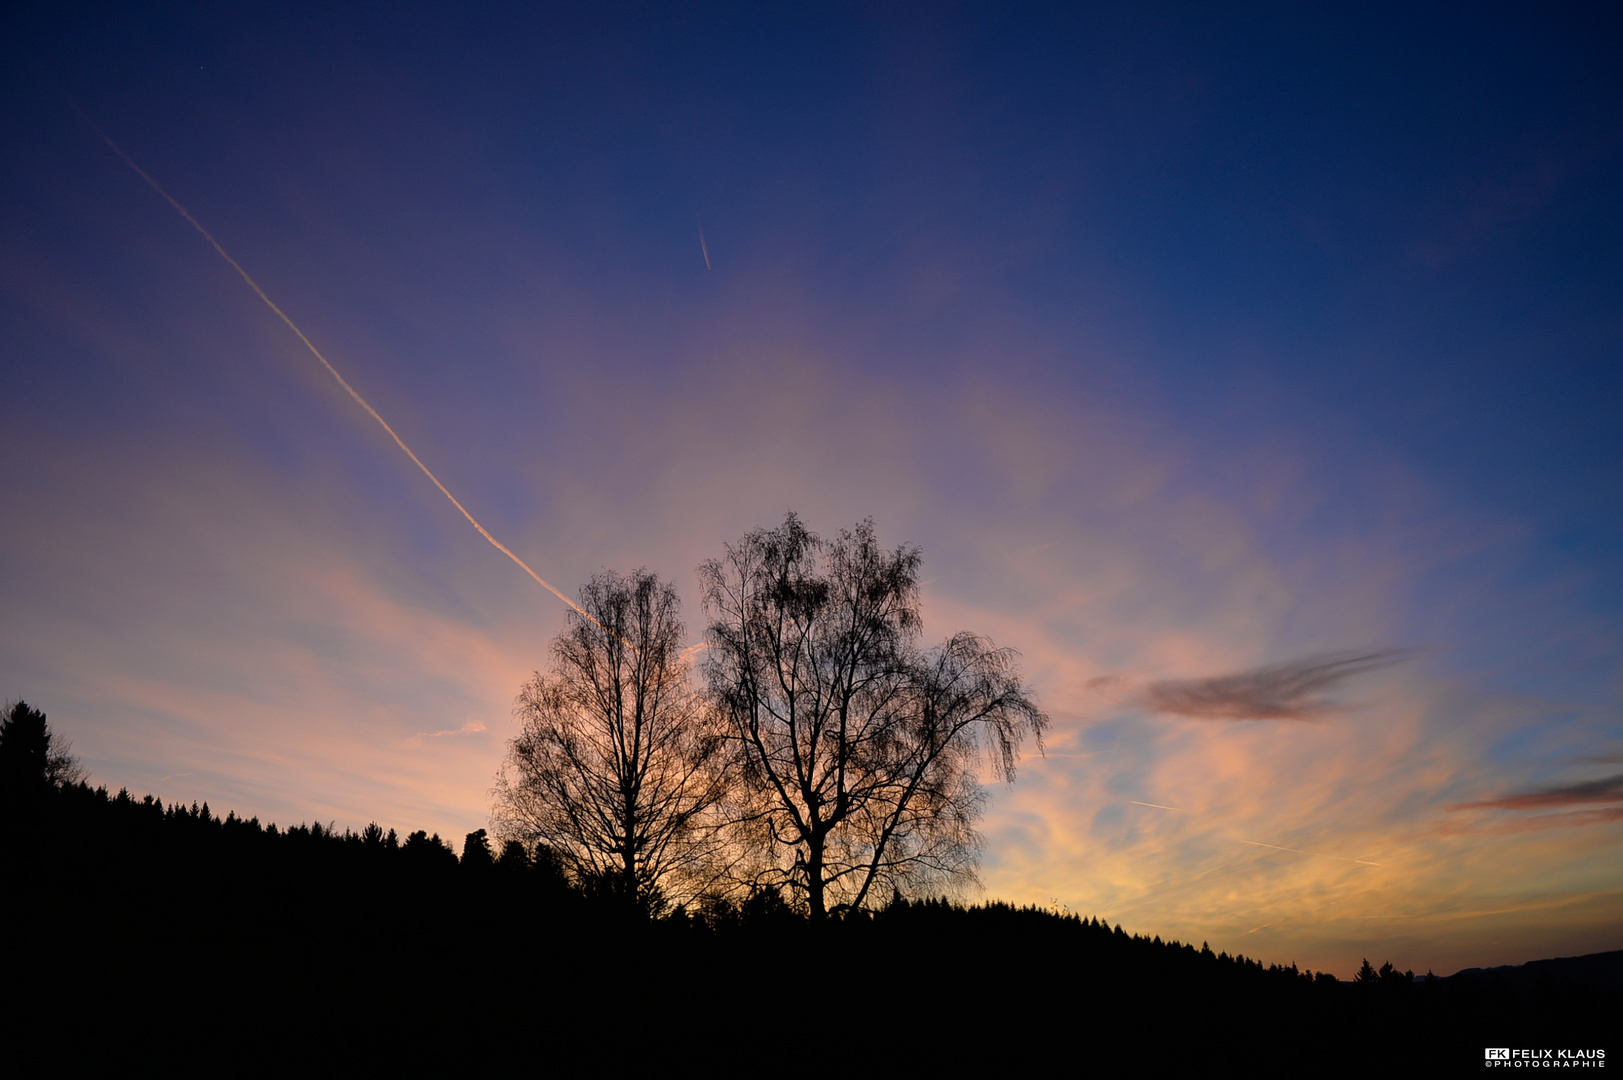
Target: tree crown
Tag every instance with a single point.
(859, 747)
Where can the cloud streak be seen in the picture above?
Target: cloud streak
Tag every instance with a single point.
(1606, 790)
(1569, 820)
(1294, 690)
(470, 728)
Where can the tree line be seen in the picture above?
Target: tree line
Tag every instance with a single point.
(143, 931)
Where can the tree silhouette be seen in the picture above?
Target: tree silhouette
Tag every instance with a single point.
(33, 758)
(476, 853)
(427, 852)
(618, 767)
(858, 748)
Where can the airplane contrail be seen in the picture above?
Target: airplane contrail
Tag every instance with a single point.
(702, 246)
(1158, 806)
(693, 650)
(359, 400)
(1320, 854)
(1258, 843)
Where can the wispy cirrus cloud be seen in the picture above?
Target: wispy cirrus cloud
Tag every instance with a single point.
(1606, 790)
(1605, 815)
(1293, 690)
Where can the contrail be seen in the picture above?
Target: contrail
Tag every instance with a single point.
(359, 400)
(1320, 854)
(701, 243)
(692, 651)
(1257, 843)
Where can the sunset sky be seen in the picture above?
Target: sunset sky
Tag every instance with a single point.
(1256, 372)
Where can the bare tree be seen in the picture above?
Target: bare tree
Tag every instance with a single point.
(618, 766)
(859, 748)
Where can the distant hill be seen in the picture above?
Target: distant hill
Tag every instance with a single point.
(1602, 971)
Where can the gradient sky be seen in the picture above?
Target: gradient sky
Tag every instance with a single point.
(1255, 371)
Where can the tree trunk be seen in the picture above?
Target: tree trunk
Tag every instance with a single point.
(814, 879)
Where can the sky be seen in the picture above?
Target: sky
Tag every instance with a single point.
(1252, 370)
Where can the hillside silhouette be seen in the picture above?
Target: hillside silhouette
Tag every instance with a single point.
(139, 932)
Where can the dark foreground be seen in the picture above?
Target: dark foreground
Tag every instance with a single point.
(142, 935)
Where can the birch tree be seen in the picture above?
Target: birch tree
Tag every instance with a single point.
(858, 749)
(618, 764)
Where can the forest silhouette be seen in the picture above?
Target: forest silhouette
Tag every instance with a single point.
(143, 932)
